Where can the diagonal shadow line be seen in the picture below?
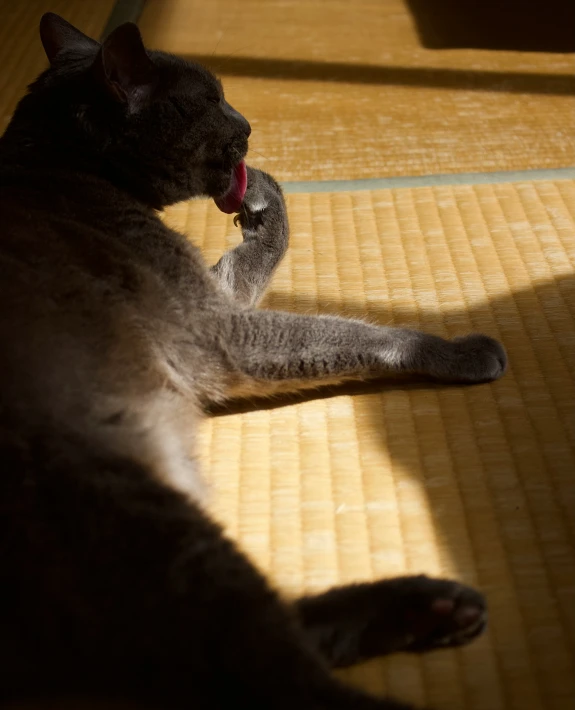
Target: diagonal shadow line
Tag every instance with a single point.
(469, 80)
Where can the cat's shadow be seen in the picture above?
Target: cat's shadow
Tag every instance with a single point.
(537, 327)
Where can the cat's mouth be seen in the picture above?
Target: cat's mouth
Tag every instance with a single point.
(231, 200)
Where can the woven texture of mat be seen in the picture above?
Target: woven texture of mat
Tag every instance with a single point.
(473, 482)
(21, 55)
(342, 90)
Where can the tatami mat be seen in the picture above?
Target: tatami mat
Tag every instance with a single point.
(474, 482)
(339, 89)
(336, 89)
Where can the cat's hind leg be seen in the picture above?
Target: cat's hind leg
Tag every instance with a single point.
(408, 614)
(135, 592)
(245, 272)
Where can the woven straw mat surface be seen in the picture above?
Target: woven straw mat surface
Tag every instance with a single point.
(343, 90)
(474, 482)
(335, 89)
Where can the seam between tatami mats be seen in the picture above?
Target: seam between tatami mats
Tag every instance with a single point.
(483, 178)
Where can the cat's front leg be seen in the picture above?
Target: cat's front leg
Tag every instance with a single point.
(285, 351)
(245, 272)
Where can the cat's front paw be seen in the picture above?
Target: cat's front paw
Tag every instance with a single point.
(478, 358)
(263, 203)
(262, 191)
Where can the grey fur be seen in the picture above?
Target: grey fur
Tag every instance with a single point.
(246, 271)
(293, 350)
(114, 334)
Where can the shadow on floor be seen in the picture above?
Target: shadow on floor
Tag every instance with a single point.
(468, 80)
(514, 438)
(557, 297)
(514, 25)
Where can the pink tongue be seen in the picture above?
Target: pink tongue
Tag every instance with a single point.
(233, 198)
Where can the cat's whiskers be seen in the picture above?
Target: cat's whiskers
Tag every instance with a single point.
(226, 58)
(253, 150)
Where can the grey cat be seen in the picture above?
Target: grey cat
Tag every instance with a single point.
(115, 334)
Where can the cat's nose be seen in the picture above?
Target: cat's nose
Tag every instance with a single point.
(238, 118)
(243, 123)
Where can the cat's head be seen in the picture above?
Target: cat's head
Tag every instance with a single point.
(155, 123)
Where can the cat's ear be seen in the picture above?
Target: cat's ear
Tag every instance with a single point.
(124, 68)
(58, 36)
